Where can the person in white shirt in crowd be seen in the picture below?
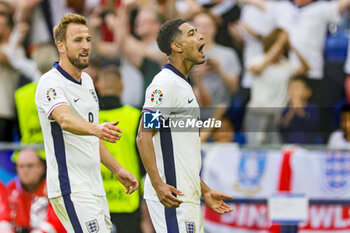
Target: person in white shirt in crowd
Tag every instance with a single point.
(269, 90)
(253, 22)
(220, 73)
(306, 22)
(340, 139)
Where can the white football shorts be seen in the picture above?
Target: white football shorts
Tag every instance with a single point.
(83, 212)
(185, 219)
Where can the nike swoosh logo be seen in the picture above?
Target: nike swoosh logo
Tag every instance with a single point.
(190, 101)
(76, 100)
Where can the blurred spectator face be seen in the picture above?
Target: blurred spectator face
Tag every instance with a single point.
(205, 25)
(4, 26)
(44, 55)
(93, 69)
(297, 90)
(29, 168)
(301, 3)
(224, 134)
(109, 82)
(146, 23)
(93, 72)
(78, 45)
(345, 121)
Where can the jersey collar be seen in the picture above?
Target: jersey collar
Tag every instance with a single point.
(64, 73)
(176, 71)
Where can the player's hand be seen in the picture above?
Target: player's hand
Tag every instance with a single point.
(213, 199)
(166, 195)
(107, 131)
(128, 180)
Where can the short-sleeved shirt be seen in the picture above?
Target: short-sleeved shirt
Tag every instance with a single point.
(274, 81)
(177, 152)
(307, 28)
(338, 141)
(73, 161)
(260, 23)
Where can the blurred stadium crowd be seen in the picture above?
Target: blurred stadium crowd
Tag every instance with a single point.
(275, 72)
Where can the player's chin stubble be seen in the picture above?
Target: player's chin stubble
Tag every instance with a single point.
(75, 62)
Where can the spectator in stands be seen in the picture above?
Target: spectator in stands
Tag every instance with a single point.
(226, 133)
(41, 15)
(340, 139)
(220, 72)
(5, 225)
(347, 72)
(133, 93)
(300, 119)
(269, 90)
(44, 56)
(336, 49)
(253, 24)
(27, 198)
(8, 76)
(93, 70)
(307, 26)
(13, 63)
(124, 208)
(142, 53)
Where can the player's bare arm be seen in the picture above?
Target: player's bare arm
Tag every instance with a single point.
(125, 177)
(213, 199)
(164, 191)
(74, 124)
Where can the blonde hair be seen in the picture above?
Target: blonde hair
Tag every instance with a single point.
(59, 31)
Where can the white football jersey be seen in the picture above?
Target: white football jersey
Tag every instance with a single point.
(73, 161)
(178, 154)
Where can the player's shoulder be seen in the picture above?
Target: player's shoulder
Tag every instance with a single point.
(50, 77)
(165, 79)
(86, 76)
(87, 80)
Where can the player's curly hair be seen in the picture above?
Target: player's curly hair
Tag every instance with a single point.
(167, 34)
(59, 31)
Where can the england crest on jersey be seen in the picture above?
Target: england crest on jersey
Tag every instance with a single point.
(190, 227)
(92, 226)
(250, 172)
(336, 172)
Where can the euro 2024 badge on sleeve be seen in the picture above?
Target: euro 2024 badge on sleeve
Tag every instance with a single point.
(157, 96)
(51, 94)
(250, 172)
(336, 172)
